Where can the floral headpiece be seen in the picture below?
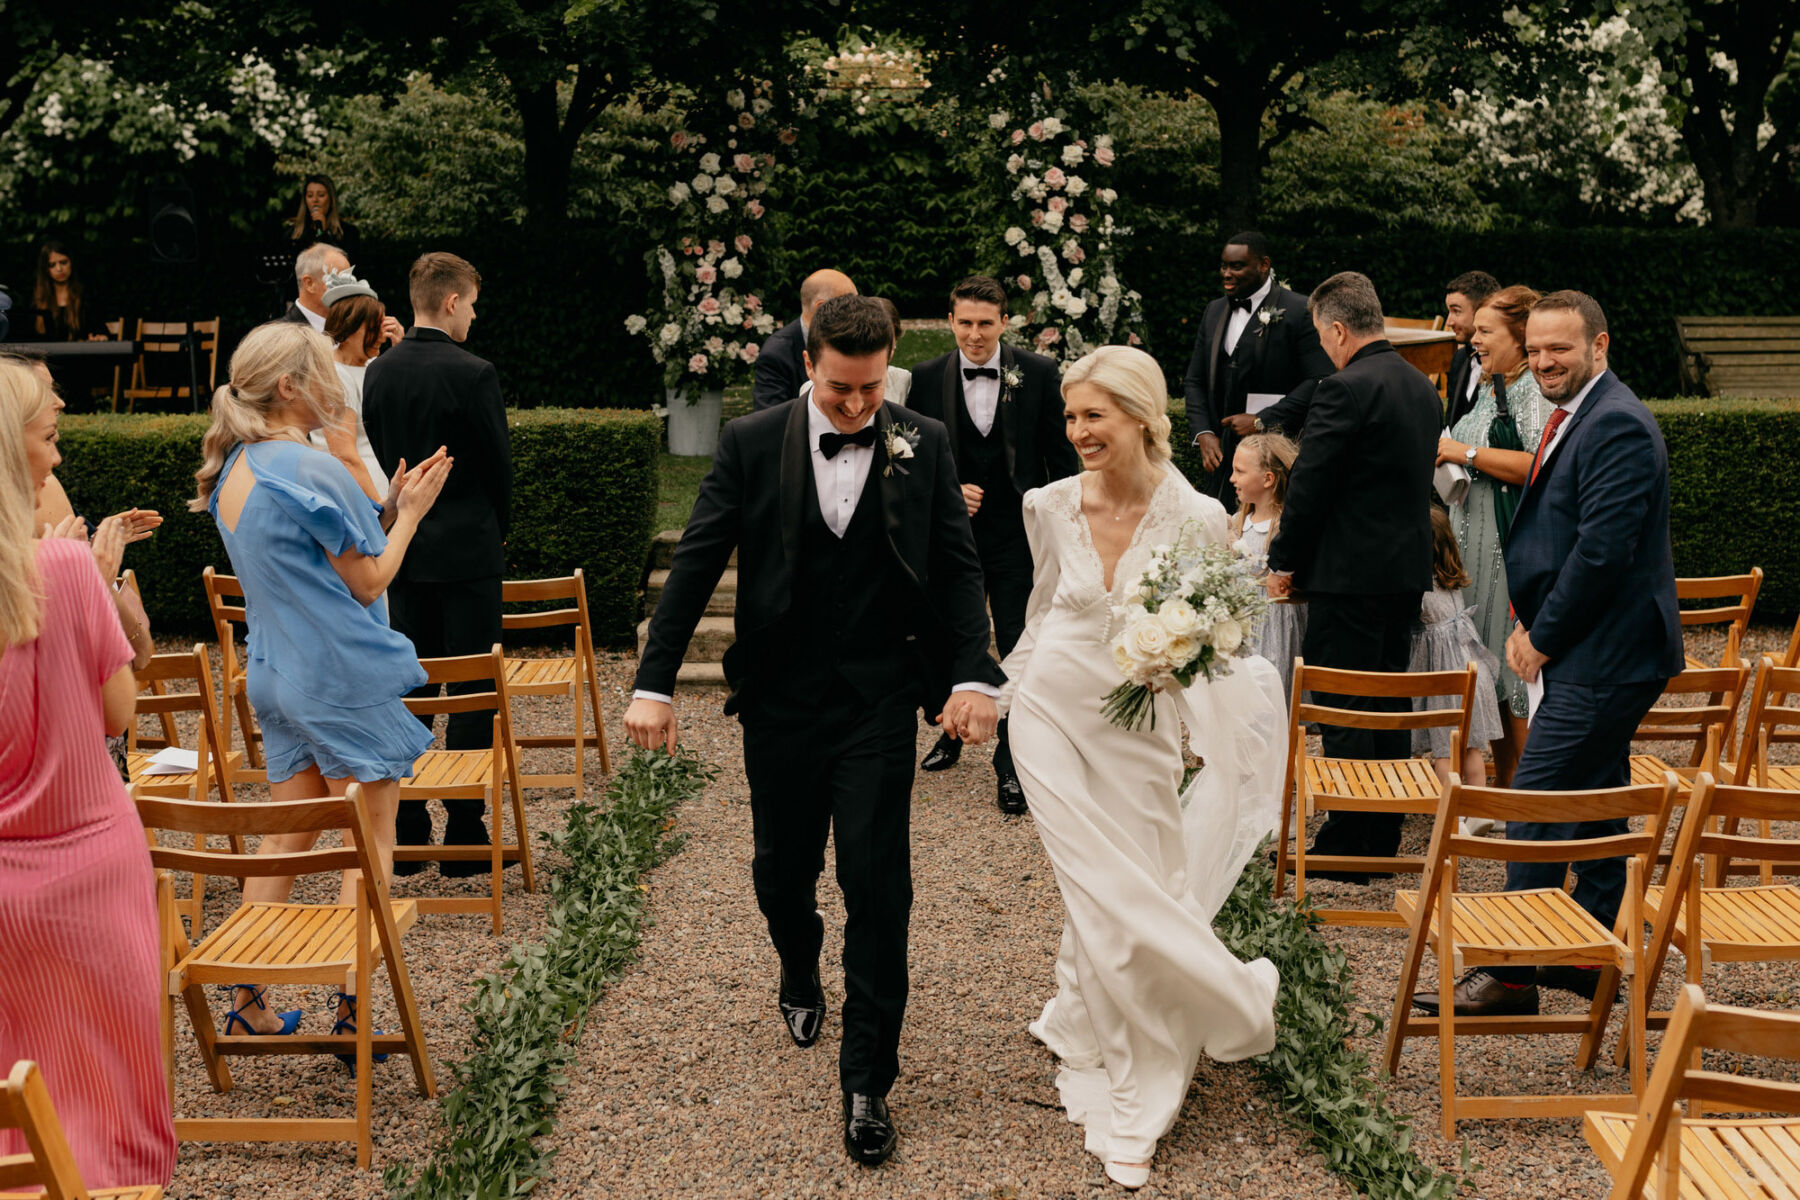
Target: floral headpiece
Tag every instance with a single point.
(341, 285)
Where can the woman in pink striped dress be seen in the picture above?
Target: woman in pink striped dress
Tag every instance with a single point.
(79, 970)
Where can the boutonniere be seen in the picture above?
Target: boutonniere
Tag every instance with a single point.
(1267, 317)
(1012, 377)
(900, 441)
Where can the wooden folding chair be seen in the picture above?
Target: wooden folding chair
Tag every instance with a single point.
(160, 371)
(1538, 927)
(335, 944)
(571, 677)
(1708, 727)
(25, 1105)
(1741, 590)
(1397, 785)
(225, 604)
(1655, 1152)
(471, 775)
(1774, 719)
(214, 770)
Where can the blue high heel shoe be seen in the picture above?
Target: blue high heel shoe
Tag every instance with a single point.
(348, 1025)
(290, 1020)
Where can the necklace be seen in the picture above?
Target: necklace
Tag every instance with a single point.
(1136, 502)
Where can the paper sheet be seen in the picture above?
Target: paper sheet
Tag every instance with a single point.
(1255, 402)
(1534, 696)
(173, 761)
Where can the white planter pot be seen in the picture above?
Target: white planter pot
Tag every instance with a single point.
(694, 421)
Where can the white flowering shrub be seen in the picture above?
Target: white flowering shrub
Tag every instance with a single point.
(1065, 244)
(707, 322)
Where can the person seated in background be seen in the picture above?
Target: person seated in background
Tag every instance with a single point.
(779, 368)
(899, 379)
(310, 269)
(75, 878)
(358, 327)
(317, 219)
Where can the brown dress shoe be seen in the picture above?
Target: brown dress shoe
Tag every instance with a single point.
(1479, 994)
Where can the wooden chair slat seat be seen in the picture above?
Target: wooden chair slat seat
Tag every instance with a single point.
(304, 940)
(573, 676)
(540, 676)
(48, 1162)
(1409, 779)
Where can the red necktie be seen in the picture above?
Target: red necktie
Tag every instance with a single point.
(1556, 418)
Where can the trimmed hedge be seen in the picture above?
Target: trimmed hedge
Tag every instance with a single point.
(584, 495)
(1733, 500)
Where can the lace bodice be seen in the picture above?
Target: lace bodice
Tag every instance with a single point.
(1069, 597)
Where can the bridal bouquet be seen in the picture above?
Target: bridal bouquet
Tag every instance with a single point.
(1188, 614)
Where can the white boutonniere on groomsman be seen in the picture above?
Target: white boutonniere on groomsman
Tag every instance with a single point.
(1269, 314)
(900, 441)
(1012, 377)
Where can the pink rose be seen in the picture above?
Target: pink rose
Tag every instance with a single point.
(1073, 253)
(743, 243)
(1024, 282)
(1036, 131)
(678, 139)
(753, 303)
(1018, 135)
(1078, 222)
(1055, 178)
(697, 365)
(705, 274)
(1049, 335)
(788, 137)
(746, 121)
(1104, 156)
(755, 209)
(715, 247)
(749, 352)
(1133, 340)
(710, 306)
(743, 162)
(714, 345)
(1037, 216)
(1058, 204)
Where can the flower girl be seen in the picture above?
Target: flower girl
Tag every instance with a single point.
(1259, 472)
(1446, 640)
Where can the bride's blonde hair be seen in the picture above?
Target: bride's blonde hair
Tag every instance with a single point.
(244, 409)
(1133, 381)
(23, 399)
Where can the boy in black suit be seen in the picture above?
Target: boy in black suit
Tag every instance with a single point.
(424, 393)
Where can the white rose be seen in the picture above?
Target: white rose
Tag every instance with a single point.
(1180, 619)
(709, 163)
(1182, 650)
(1014, 235)
(1013, 163)
(735, 98)
(1122, 659)
(702, 184)
(731, 268)
(725, 185)
(635, 324)
(669, 334)
(1052, 125)
(679, 194)
(1076, 185)
(1107, 195)
(1072, 155)
(1147, 640)
(1075, 277)
(898, 447)
(733, 314)
(1053, 222)
(998, 120)
(716, 204)
(1227, 636)
(759, 106)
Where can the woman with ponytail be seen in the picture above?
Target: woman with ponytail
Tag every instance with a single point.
(72, 853)
(315, 555)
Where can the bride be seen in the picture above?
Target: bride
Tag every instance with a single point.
(1143, 984)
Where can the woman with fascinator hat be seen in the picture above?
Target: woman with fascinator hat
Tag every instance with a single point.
(358, 327)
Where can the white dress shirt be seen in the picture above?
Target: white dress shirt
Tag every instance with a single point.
(980, 396)
(838, 483)
(1239, 319)
(1473, 384)
(316, 320)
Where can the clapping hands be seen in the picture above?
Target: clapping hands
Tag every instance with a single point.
(412, 493)
(111, 536)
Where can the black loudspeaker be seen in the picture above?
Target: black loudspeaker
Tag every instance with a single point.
(174, 232)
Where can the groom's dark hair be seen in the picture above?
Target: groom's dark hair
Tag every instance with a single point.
(855, 326)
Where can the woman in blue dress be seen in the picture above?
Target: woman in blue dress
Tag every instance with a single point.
(324, 671)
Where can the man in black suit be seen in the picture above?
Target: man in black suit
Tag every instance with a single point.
(780, 367)
(310, 269)
(1592, 578)
(425, 393)
(1255, 347)
(1356, 531)
(1463, 297)
(1003, 410)
(859, 599)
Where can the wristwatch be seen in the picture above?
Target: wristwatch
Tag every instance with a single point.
(1469, 455)
(1256, 424)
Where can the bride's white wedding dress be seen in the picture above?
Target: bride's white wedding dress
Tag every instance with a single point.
(1143, 984)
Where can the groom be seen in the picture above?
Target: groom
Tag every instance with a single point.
(1003, 410)
(859, 600)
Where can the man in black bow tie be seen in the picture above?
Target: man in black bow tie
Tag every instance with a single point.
(1463, 297)
(1255, 352)
(1003, 410)
(859, 600)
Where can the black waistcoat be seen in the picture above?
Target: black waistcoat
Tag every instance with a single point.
(981, 460)
(849, 620)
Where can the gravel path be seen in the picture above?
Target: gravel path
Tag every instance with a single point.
(686, 1082)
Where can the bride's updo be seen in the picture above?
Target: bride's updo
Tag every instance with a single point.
(1133, 381)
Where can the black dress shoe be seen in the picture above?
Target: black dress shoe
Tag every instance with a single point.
(1479, 994)
(943, 755)
(1583, 981)
(473, 835)
(802, 1007)
(868, 1133)
(1011, 797)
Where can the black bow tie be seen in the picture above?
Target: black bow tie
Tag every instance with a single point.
(981, 372)
(1242, 302)
(831, 443)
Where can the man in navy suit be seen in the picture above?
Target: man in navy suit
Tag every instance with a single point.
(1592, 580)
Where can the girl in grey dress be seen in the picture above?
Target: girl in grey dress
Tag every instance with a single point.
(1446, 640)
(1259, 472)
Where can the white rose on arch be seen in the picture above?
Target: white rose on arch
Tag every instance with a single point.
(1052, 126)
(731, 268)
(709, 162)
(635, 324)
(1014, 235)
(702, 184)
(679, 194)
(716, 204)
(724, 185)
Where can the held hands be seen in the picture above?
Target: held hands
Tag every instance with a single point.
(1522, 656)
(1451, 451)
(972, 497)
(1278, 586)
(967, 716)
(414, 492)
(1211, 453)
(651, 724)
(1242, 424)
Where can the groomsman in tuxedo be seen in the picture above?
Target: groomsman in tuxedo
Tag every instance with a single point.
(1002, 408)
(427, 392)
(859, 601)
(1463, 298)
(1356, 532)
(780, 369)
(1592, 578)
(1255, 341)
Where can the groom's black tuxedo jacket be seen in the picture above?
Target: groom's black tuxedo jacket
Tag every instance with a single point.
(754, 500)
(1030, 416)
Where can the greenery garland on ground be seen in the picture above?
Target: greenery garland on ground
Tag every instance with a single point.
(1325, 1085)
(530, 1012)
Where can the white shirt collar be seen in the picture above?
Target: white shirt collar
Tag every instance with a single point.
(817, 423)
(316, 320)
(967, 364)
(1262, 293)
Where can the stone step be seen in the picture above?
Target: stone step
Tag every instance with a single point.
(662, 550)
(724, 597)
(712, 637)
(701, 674)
